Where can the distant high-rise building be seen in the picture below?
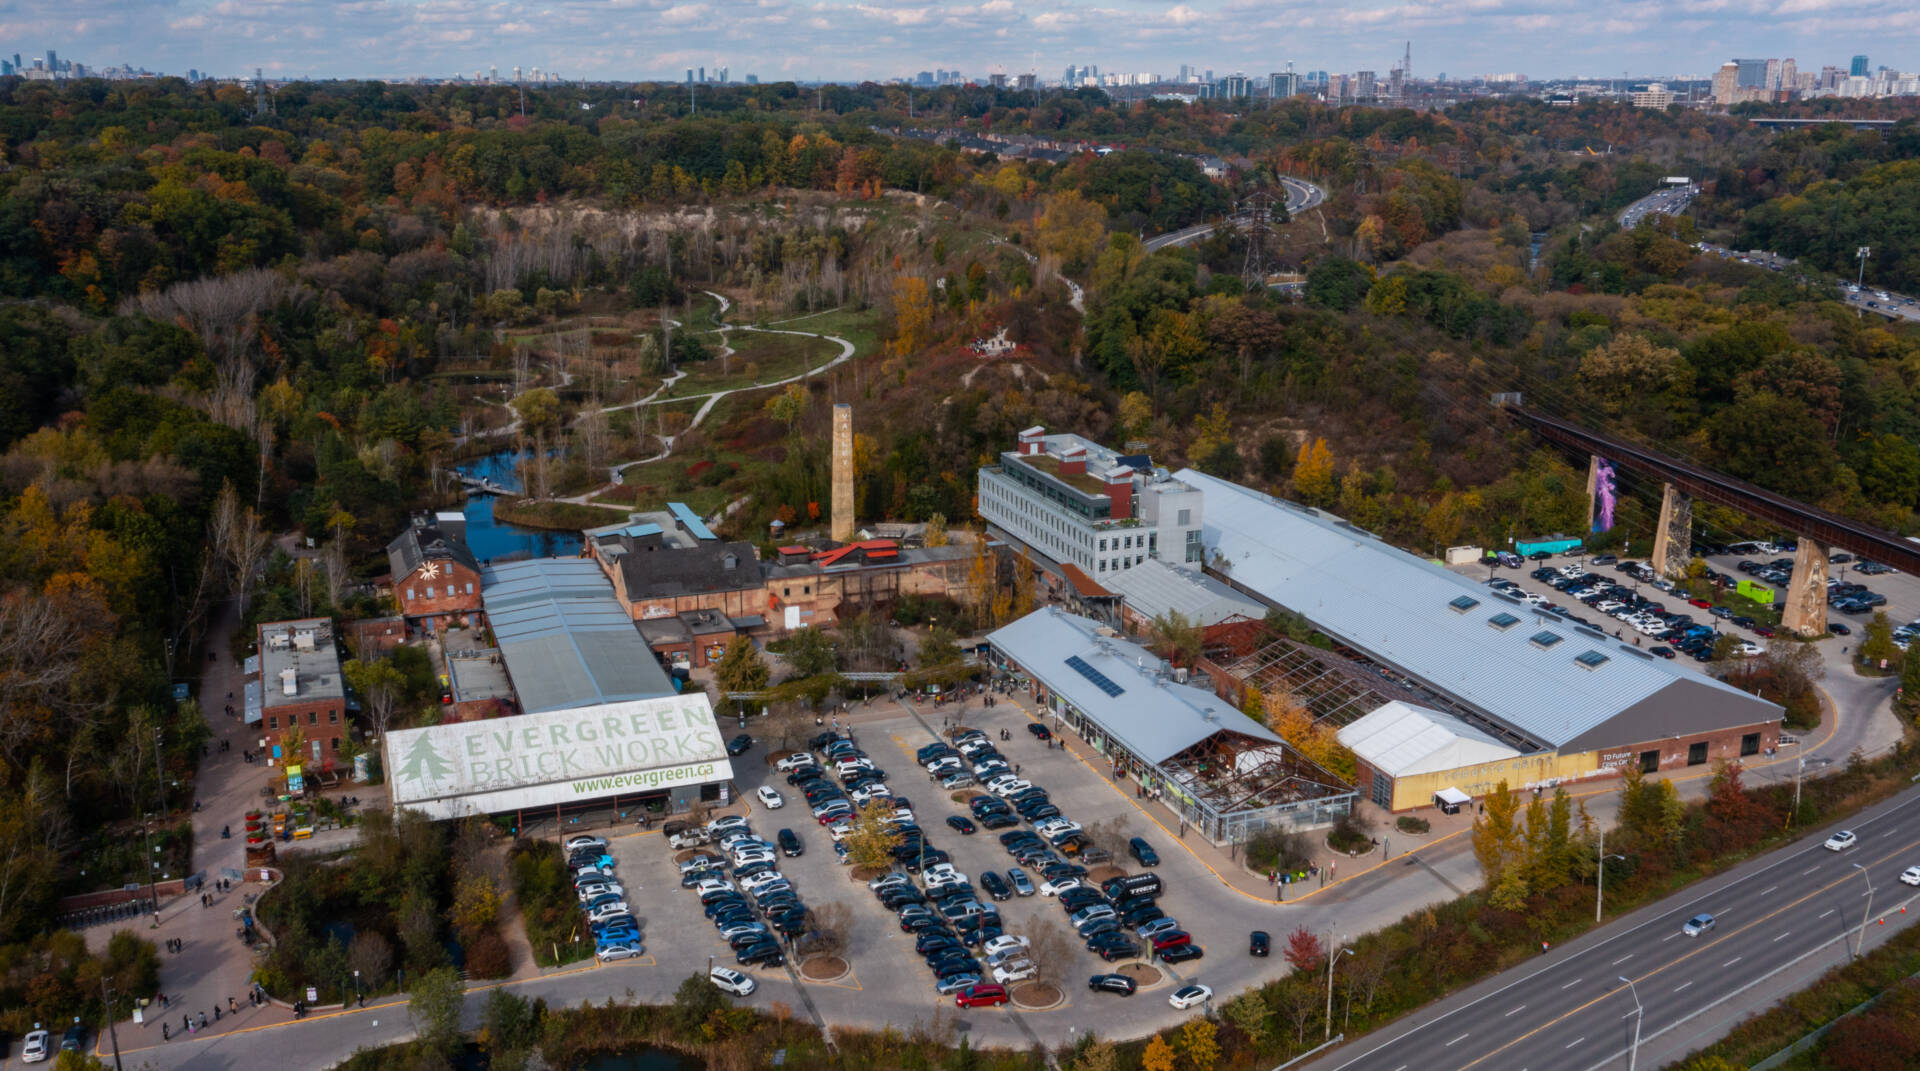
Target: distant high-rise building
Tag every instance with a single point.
(1752, 73)
(703, 75)
(998, 81)
(1363, 87)
(1773, 74)
(1397, 86)
(1789, 74)
(1726, 83)
(493, 75)
(689, 75)
(6, 68)
(1859, 69)
(1186, 72)
(53, 61)
(1337, 89)
(516, 74)
(1024, 82)
(1829, 78)
(754, 79)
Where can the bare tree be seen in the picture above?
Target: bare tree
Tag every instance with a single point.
(828, 928)
(1050, 952)
(1298, 1002)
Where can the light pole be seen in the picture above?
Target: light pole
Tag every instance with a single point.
(1600, 874)
(1331, 960)
(1860, 944)
(356, 984)
(1639, 1013)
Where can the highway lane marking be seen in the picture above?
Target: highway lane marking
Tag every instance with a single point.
(1768, 889)
(1462, 1037)
(1576, 1041)
(1669, 937)
(1783, 908)
(1622, 959)
(1733, 961)
(1573, 983)
(1510, 1014)
(1893, 811)
(1783, 936)
(1889, 833)
(1809, 870)
(1827, 912)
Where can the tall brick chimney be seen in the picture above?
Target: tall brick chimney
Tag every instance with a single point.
(842, 514)
(1074, 461)
(1032, 441)
(1120, 492)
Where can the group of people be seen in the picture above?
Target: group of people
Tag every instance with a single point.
(190, 1024)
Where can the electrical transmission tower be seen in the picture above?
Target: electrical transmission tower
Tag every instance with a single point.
(1257, 212)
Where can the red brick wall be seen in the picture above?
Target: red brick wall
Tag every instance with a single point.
(1723, 744)
(323, 720)
(456, 591)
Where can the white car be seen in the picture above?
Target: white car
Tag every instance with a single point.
(941, 876)
(1055, 888)
(1697, 925)
(1842, 840)
(713, 885)
(574, 844)
(795, 761)
(1053, 827)
(35, 1050)
(868, 793)
(607, 911)
(762, 880)
(1746, 649)
(1018, 970)
(600, 888)
(1190, 996)
(728, 980)
(726, 823)
(771, 797)
(758, 855)
(1004, 943)
(1007, 786)
(944, 765)
(1911, 875)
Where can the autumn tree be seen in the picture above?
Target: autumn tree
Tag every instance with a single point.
(871, 840)
(379, 686)
(1304, 951)
(1313, 476)
(809, 652)
(1157, 1056)
(1248, 1013)
(1175, 637)
(788, 406)
(1071, 228)
(1630, 371)
(741, 668)
(1497, 844)
(912, 315)
(1200, 1043)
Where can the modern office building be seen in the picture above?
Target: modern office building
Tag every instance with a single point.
(1075, 502)
(1858, 70)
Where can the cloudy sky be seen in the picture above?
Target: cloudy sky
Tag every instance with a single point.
(849, 39)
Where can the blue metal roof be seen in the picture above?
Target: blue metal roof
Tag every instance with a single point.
(1401, 610)
(690, 520)
(565, 639)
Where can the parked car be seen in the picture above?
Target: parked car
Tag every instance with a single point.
(574, 844)
(1190, 996)
(770, 797)
(728, 980)
(1143, 852)
(739, 744)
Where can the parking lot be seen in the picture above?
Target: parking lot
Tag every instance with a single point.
(889, 983)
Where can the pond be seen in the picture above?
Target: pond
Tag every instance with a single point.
(646, 1059)
(489, 538)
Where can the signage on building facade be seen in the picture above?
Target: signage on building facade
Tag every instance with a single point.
(630, 747)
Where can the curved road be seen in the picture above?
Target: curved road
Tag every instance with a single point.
(1301, 196)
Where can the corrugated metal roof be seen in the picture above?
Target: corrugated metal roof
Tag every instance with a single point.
(690, 520)
(564, 638)
(1395, 606)
(1155, 718)
(1156, 587)
(1400, 739)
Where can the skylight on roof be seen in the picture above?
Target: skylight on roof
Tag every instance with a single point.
(1590, 659)
(1503, 621)
(1464, 603)
(1100, 680)
(1544, 639)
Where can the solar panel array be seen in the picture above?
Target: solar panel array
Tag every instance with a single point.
(1100, 680)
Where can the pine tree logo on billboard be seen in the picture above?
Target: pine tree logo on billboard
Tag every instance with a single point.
(424, 762)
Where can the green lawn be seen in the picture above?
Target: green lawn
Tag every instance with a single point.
(774, 357)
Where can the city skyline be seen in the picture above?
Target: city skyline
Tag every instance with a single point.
(839, 40)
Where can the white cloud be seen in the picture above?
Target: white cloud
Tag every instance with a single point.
(681, 14)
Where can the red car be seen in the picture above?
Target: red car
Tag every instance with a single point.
(1170, 939)
(983, 995)
(1701, 603)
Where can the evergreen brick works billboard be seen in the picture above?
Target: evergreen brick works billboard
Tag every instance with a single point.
(557, 757)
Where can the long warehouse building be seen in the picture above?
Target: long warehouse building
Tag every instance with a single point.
(1533, 699)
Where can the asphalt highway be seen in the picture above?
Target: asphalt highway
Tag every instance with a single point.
(1571, 1008)
(1301, 195)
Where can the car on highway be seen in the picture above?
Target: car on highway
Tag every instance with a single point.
(1189, 996)
(1911, 875)
(1842, 840)
(1697, 925)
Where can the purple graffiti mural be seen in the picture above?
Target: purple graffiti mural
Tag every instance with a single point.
(1603, 496)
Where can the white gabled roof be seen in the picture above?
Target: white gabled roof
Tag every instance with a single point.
(1155, 587)
(1401, 739)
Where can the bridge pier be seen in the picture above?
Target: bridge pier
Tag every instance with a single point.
(1805, 612)
(1673, 536)
(1593, 484)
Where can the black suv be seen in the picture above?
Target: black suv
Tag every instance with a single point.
(789, 843)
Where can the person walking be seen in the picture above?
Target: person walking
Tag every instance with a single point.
(166, 1032)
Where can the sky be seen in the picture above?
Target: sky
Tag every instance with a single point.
(855, 39)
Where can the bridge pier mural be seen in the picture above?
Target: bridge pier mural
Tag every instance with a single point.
(1673, 536)
(1601, 496)
(1805, 611)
